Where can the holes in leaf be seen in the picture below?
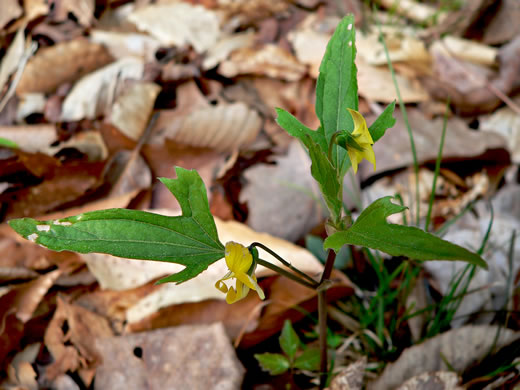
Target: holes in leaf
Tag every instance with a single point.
(138, 352)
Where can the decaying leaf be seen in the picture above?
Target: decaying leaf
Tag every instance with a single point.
(503, 27)
(132, 108)
(30, 103)
(30, 138)
(465, 49)
(91, 95)
(506, 122)
(183, 357)
(252, 10)
(297, 207)
(12, 58)
(459, 347)
(179, 24)
(418, 12)
(70, 339)
(83, 10)
(439, 380)
(269, 60)
(225, 46)
(351, 377)
(58, 64)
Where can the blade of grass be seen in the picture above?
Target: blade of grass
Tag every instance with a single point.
(405, 118)
(437, 167)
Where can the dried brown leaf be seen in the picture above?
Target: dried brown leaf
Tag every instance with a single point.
(351, 377)
(73, 346)
(58, 64)
(439, 380)
(503, 26)
(121, 44)
(183, 357)
(12, 58)
(83, 10)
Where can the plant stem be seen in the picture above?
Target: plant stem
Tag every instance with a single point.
(289, 275)
(284, 262)
(322, 318)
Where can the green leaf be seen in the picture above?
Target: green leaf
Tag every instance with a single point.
(8, 143)
(190, 239)
(385, 121)
(298, 130)
(309, 360)
(373, 231)
(325, 174)
(274, 363)
(289, 340)
(336, 88)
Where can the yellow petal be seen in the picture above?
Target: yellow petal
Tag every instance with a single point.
(220, 285)
(246, 279)
(360, 128)
(364, 140)
(238, 294)
(238, 257)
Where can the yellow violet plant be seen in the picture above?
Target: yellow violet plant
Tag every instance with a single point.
(342, 141)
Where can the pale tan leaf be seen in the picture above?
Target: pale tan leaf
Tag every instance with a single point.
(252, 10)
(90, 143)
(179, 24)
(121, 44)
(58, 64)
(268, 60)
(83, 10)
(30, 103)
(9, 10)
(34, 9)
(418, 12)
(94, 93)
(132, 108)
(351, 377)
(30, 138)
(506, 122)
(459, 347)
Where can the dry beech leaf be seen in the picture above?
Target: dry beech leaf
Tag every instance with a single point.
(34, 9)
(465, 49)
(90, 143)
(30, 138)
(122, 44)
(418, 12)
(83, 10)
(195, 122)
(58, 64)
(267, 60)
(252, 10)
(20, 371)
(375, 83)
(503, 26)
(183, 357)
(132, 108)
(460, 347)
(350, 377)
(179, 24)
(127, 172)
(72, 346)
(225, 46)
(9, 10)
(91, 95)
(121, 274)
(439, 380)
(296, 209)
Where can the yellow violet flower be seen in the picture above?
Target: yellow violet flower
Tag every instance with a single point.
(362, 145)
(241, 267)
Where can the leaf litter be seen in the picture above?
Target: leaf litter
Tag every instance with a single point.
(78, 108)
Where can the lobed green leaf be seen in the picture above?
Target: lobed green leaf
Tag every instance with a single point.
(289, 340)
(190, 239)
(373, 231)
(385, 121)
(309, 360)
(274, 363)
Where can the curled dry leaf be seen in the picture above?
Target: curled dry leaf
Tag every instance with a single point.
(72, 346)
(225, 46)
(466, 50)
(58, 64)
(90, 143)
(83, 10)
(132, 108)
(169, 358)
(179, 24)
(460, 347)
(268, 60)
(252, 10)
(30, 103)
(121, 44)
(12, 58)
(91, 95)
